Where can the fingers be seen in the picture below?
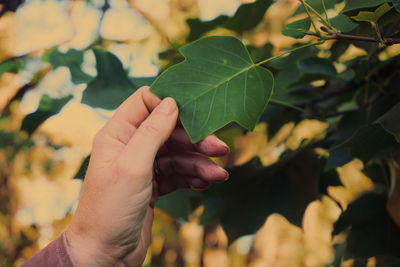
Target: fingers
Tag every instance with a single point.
(152, 133)
(135, 109)
(169, 184)
(210, 146)
(191, 165)
(117, 132)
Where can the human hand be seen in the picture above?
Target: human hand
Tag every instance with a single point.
(112, 224)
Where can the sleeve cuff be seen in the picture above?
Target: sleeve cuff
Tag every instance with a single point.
(54, 255)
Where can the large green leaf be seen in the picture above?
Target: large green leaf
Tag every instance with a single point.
(218, 83)
(111, 86)
(73, 60)
(246, 18)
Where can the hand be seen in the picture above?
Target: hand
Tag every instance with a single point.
(112, 224)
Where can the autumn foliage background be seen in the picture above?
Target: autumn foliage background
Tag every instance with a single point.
(37, 192)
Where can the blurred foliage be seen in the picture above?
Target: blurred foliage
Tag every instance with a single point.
(316, 183)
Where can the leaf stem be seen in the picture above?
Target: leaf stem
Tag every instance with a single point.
(326, 14)
(305, 5)
(288, 52)
(325, 21)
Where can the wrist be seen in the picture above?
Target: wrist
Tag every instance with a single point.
(84, 251)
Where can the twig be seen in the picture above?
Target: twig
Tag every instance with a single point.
(350, 37)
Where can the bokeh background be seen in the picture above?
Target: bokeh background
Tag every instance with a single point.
(37, 192)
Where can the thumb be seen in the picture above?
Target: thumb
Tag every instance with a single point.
(152, 133)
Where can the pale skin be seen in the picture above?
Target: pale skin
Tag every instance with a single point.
(112, 224)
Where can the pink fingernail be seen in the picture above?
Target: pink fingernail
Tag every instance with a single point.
(222, 143)
(167, 106)
(225, 171)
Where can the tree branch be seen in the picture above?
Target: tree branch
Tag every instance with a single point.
(350, 37)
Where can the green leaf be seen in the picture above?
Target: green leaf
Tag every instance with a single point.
(111, 86)
(246, 18)
(80, 174)
(343, 23)
(373, 16)
(317, 5)
(372, 231)
(73, 60)
(297, 28)
(396, 4)
(199, 27)
(218, 83)
(364, 145)
(259, 53)
(9, 66)
(179, 203)
(359, 4)
(255, 192)
(142, 81)
(47, 108)
(316, 65)
(390, 122)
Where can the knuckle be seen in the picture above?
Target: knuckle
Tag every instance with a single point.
(127, 169)
(152, 130)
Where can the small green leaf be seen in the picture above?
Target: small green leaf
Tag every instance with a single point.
(47, 108)
(297, 28)
(373, 16)
(9, 66)
(218, 83)
(73, 60)
(343, 23)
(358, 4)
(111, 86)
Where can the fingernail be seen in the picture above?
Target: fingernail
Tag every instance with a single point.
(167, 106)
(225, 171)
(222, 143)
